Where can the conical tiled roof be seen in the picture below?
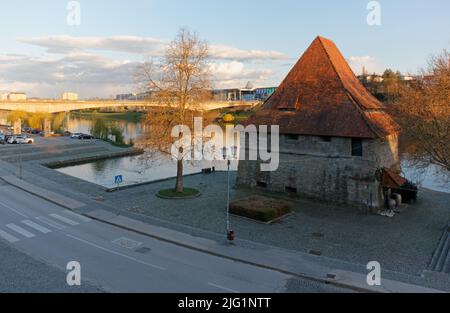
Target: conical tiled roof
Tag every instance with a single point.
(322, 96)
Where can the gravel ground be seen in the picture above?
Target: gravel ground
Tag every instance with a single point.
(20, 273)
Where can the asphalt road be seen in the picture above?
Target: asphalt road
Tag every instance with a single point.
(116, 260)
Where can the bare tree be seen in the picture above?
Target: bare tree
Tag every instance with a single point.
(179, 85)
(423, 110)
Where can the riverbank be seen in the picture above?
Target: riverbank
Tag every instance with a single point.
(133, 117)
(86, 160)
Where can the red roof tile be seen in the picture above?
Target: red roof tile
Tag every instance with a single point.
(322, 96)
(390, 179)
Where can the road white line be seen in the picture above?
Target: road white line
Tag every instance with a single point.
(50, 223)
(223, 288)
(78, 216)
(14, 210)
(20, 230)
(116, 253)
(37, 227)
(64, 220)
(8, 237)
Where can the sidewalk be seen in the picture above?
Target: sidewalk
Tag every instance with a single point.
(290, 262)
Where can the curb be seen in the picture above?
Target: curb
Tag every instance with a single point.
(125, 187)
(48, 199)
(198, 195)
(80, 161)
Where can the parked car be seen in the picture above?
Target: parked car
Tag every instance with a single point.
(2, 139)
(36, 131)
(21, 139)
(76, 135)
(86, 137)
(7, 137)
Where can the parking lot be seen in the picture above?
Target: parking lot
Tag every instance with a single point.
(32, 136)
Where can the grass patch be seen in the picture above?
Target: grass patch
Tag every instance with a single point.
(240, 114)
(172, 194)
(261, 208)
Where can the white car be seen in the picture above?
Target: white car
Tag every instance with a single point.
(22, 139)
(76, 135)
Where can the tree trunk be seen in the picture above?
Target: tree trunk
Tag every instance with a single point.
(179, 186)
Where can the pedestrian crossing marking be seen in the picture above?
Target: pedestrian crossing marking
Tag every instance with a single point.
(78, 216)
(64, 219)
(8, 237)
(50, 223)
(37, 227)
(20, 230)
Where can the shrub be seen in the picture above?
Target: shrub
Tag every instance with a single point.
(261, 208)
(100, 129)
(228, 118)
(118, 135)
(59, 122)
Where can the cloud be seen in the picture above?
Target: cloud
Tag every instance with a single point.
(104, 66)
(128, 44)
(230, 53)
(86, 73)
(94, 75)
(236, 74)
(358, 62)
(90, 68)
(224, 70)
(141, 46)
(6, 58)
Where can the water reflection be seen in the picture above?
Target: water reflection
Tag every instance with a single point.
(131, 129)
(99, 166)
(136, 170)
(432, 177)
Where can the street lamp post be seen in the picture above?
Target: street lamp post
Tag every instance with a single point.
(226, 157)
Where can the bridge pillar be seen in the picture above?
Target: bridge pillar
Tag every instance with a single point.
(17, 127)
(47, 127)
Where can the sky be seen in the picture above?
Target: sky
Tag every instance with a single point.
(49, 46)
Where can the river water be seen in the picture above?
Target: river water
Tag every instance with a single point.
(137, 170)
(134, 169)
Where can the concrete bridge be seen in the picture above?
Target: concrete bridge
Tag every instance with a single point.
(56, 106)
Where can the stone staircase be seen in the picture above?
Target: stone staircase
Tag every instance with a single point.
(441, 258)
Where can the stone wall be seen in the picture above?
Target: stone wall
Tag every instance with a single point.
(324, 169)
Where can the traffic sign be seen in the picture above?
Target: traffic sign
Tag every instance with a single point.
(118, 179)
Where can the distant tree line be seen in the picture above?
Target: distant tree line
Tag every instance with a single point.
(385, 87)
